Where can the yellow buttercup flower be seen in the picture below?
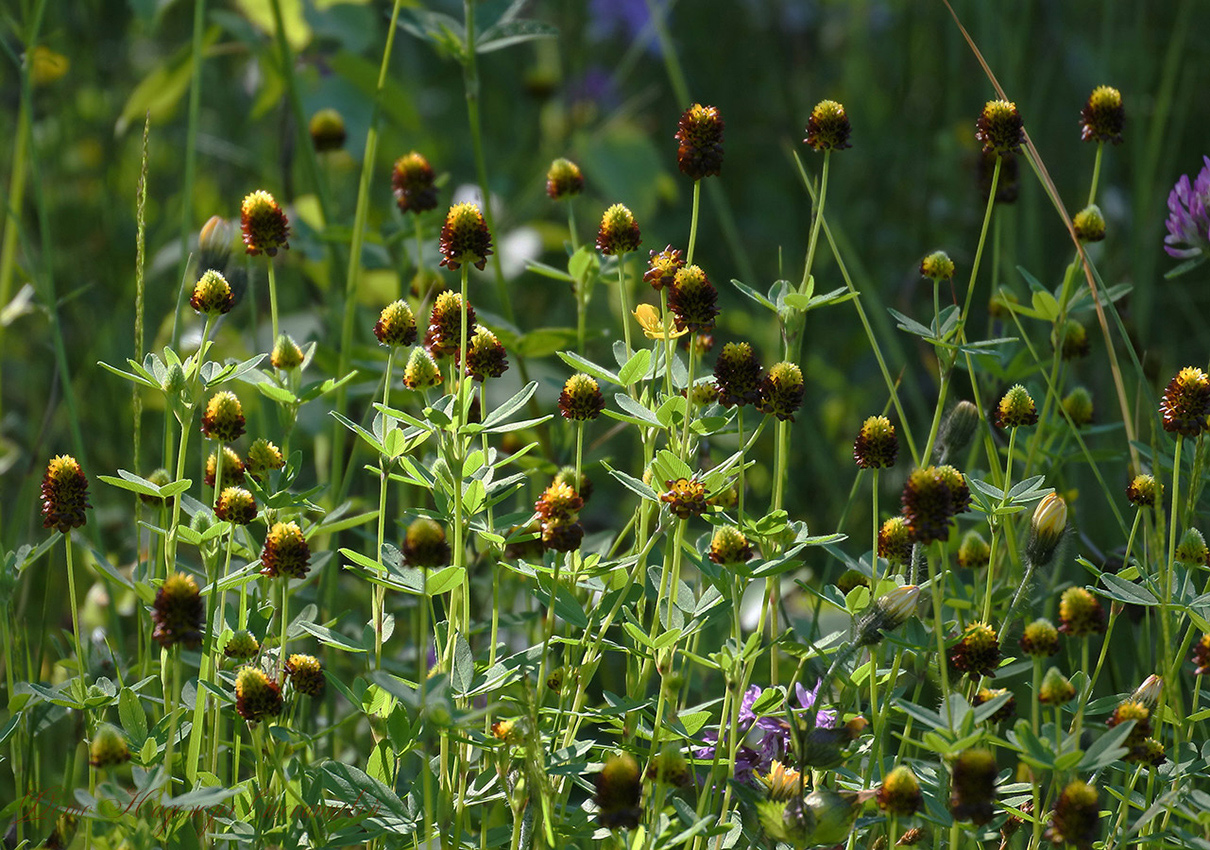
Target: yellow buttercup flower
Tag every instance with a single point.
(649, 319)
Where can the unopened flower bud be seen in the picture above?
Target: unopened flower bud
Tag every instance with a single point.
(327, 128)
(233, 468)
(242, 645)
(212, 294)
(895, 541)
(1046, 529)
(1076, 819)
(1077, 404)
(900, 794)
(108, 747)
(1056, 689)
(1040, 639)
(1080, 613)
(729, 546)
(670, 767)
(412, 183)
(286, 354)
(1148, 693)
(425, 544)
(1071, 340)
(1089, 224)
(564, 179)
(973, 552)
(422, 371)
(1144, 491)
(396, 324)
(619, 789)
(214, 243)
(958, 427)
(236, 506)
(937, 266)
(1016, 409)
(1192, 548)
(897, 605)
(224, 418)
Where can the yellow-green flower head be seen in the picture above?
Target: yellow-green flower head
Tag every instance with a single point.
(876, 446)
(1005, 712)
(956, 481)
(685, 497)
(1016, 409)
(263, 456)
(1071, 340)
(1201, 656)
(1089, 224)
(422, 371)
(738, 375)
(1186, 402)
(1056, 689)
(64, 494)
(562, 536)
(465, 237)
(559, 504)
(236, 506)
(1150, 752)
(928, 505)
(564, 179)
(178, 612)
(286, 553)
(693, 300)
(619, 232)
(425, 544)
(729, 546)
(233, 467)
(973, 552)
(396, 324)
(1131, 709)
(781, 391)
(828, 127)
(257, 697)
(978, 652)
(670, 767)
(900, 794)
(581, 399)
(663, 266)
(895, 541)
(1144, 491)
(412, 184)
(973, 786)
(1000, 127)
(699, 139)
(306, 674)
(937, 266)
(286, 354)
(214, 243)
(264, 225)
(1080, 613)
(444, 333)
(583, 487)
(1076, 819)
(1046, 529)
(212, 294)
(159, 478)
(242, 645)
(619, 789)
(1192, 548)
(1040, 639)
(327, 127)
(703, 392)
(1103, 116)
(851, 579)
(485, 356)
(108, 747)
(224, 418)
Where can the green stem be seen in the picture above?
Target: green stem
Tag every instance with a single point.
(626, 306)
(273, 303)
(818, 222)
(697, 196)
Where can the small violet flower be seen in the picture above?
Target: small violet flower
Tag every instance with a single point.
(1189, 216)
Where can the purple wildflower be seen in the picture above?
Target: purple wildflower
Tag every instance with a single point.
(1189, 216)
(631, 17)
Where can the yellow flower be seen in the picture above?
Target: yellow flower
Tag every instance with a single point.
(649, 319)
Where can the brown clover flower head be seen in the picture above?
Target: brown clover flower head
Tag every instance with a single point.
(559, 504)
(1141, 715)
(327, 128)
(286, 354)
(1076, 818)
(699, 139)
(978, 652)
(445, 324)
(263, 456)
(465, 237)
(212, 295)
(685, 497)
(1089, 224)
(1072, 340)
(306, 674)
(900, 794)
(895, 541)
(264, 225)
(828, 127)
(286, 553)
(486, 357)
(422, 371)
(973, 785)
(412, 183)
(233, 467)
(619, 789)
(973, 552)
(178, 612)
(1080, 613)
(1144, 491)
(581, 399)
(1006, 712)
(1201, 656)
(1056, 689)
(876, 446)
(1078, 406)
(425, 544)
(224, 418)
(928, 505)
(781, 391)
(1192, 548)
(564, 179)
(562, 536)
(1000, 127)
(1149, 752)
(583, 487)
(257, 697)
(1040, 638)
(64, 494)
(1103, 116)
(937, 266)
(396, 324)
(1186, 402)
(1016, 409)
(738, 375)
(663, 266)
(693, 300)
(242, 645)
(619, 232)
(729, 546)
(236, 506)
(956, 481)
(108, 747)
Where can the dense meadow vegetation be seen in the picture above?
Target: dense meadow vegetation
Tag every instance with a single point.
(620, 423)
